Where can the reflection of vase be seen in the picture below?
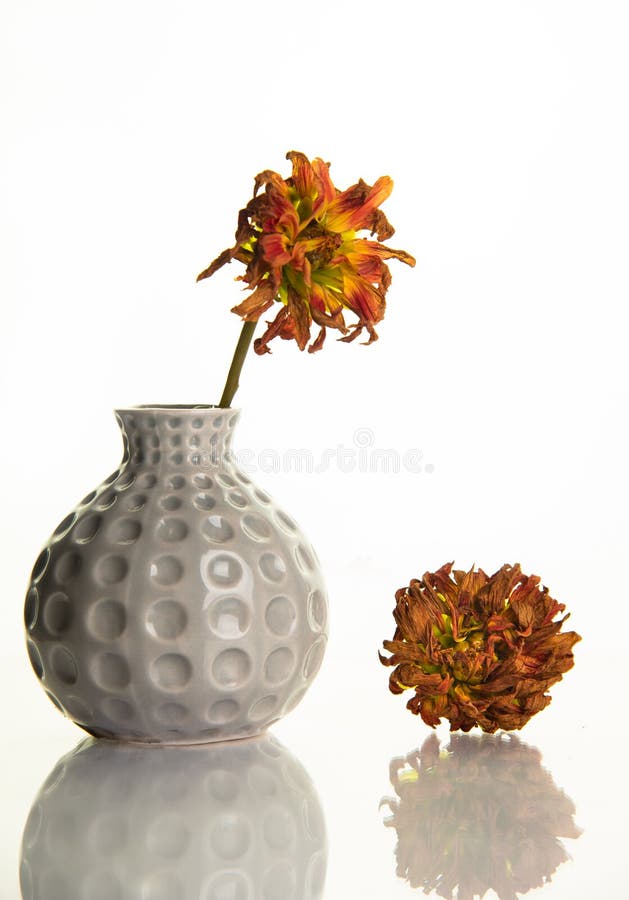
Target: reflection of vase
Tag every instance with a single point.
(222, 822)
(177, 603)
(481, 815)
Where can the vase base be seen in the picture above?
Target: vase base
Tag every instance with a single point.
(183, 741)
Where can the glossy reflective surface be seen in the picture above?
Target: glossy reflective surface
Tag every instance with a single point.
(220, 822)
(350, 796)
(477, 814)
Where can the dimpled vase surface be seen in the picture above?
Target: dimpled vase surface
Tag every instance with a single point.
(177, 603)
(237, 821)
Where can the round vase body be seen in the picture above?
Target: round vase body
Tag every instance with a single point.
(177, 603)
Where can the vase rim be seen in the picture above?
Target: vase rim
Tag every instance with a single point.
(191, 408)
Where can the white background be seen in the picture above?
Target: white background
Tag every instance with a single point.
(131, 135)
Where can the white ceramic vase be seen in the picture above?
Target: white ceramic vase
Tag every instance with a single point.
(177, 603)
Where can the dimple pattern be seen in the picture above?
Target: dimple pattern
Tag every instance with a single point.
(177, 603)
(219, 822)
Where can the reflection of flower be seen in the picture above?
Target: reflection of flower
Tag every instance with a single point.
(482, 816)
(478, 650)
(299, 245)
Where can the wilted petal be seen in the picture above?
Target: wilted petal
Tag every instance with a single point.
(257, 303)
(282, 325)
(326, 309)
(303, 174)
(268, 177)
(363, 249)
(225, 257)
(326, 192)
(363, 298)
(300, 315)
(317, 344)
(354, 208)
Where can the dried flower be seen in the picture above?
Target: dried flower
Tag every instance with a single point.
(298, 242)
(478, 649)
(482, 815)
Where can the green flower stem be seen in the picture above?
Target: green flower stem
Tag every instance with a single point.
(231, 385)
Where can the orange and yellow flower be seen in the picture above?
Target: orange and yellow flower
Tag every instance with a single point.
(300, 245)
(478, 649)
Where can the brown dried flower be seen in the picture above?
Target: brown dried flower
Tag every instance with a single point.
(478, 649)
(481, 815)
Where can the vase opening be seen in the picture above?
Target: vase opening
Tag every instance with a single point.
(176, 406)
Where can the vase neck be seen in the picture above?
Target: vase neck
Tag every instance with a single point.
(177, 437)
